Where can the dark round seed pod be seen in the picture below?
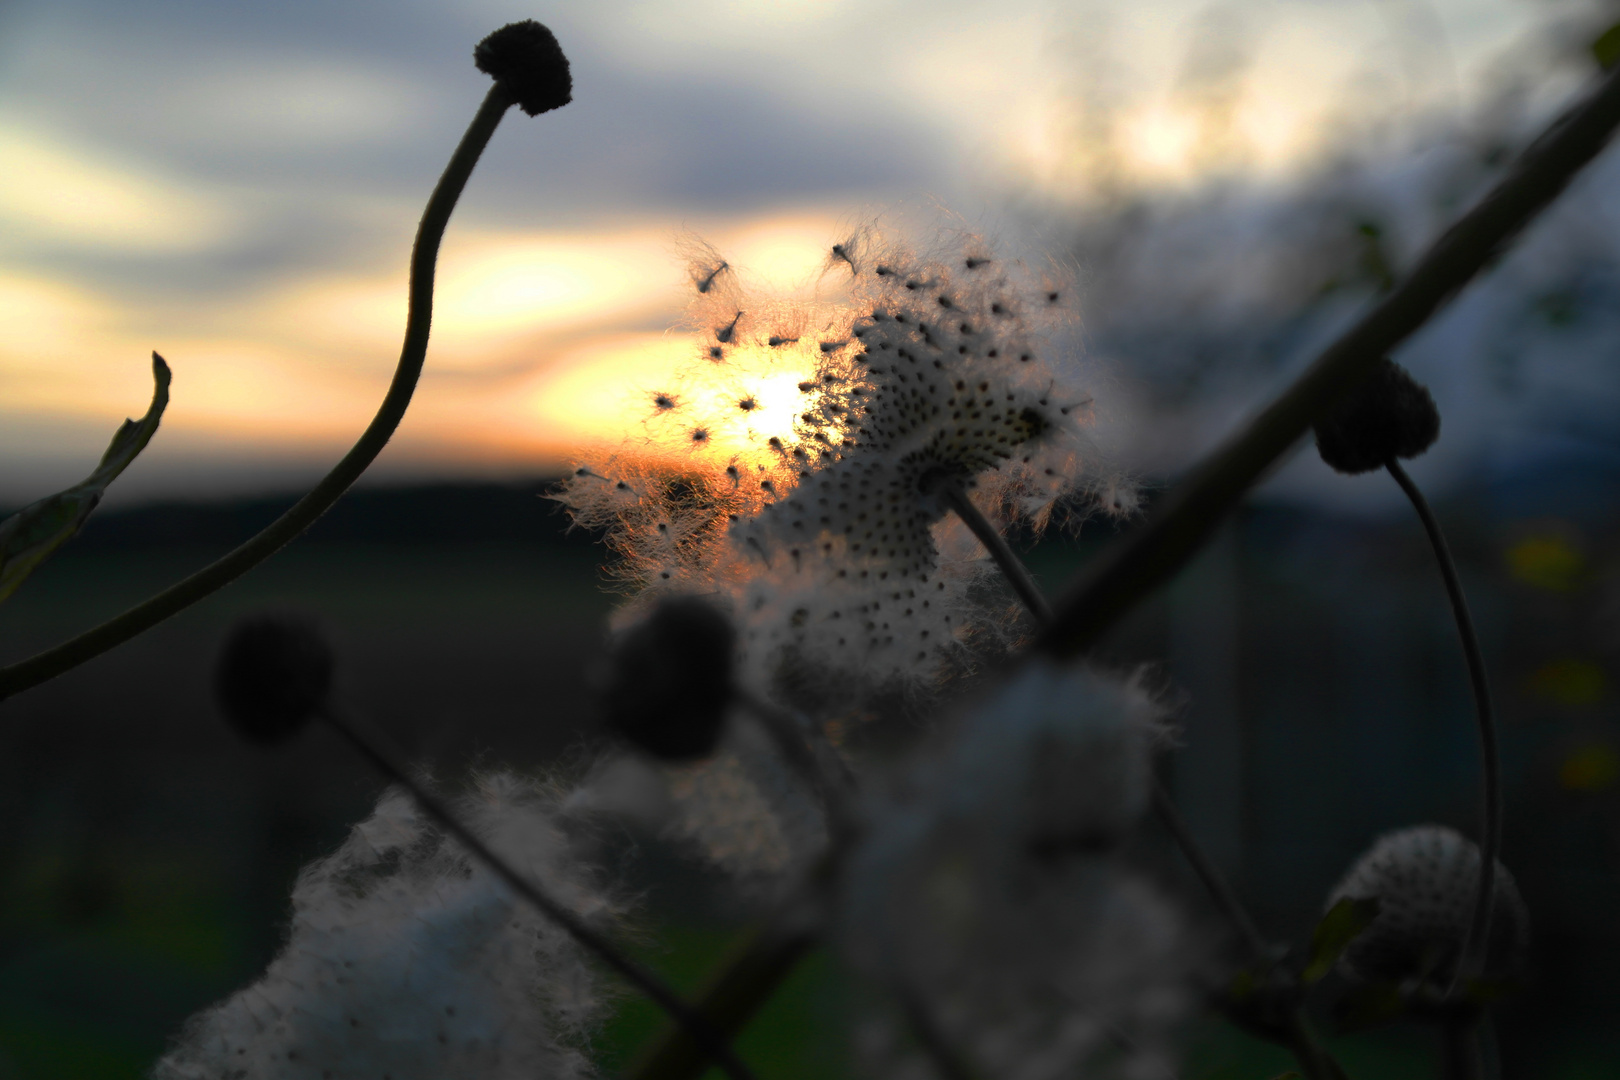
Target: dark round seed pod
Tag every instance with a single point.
(1390, 415)
(524, 57)
(272, 677)
(669, 680)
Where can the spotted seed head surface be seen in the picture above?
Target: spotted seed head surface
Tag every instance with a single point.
(1425, 880)
(795, 467)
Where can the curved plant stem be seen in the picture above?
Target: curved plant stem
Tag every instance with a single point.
(1012, 568)
(1202, 865)
(1308, 1050)
(1217, 885)
(372, 746)
(807, 753)
(1301, 1038)
(1128, 570)
(1313, 1057)
(424, 255)
(1476, 942)
(949, 1062)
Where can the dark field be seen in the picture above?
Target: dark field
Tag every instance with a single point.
(150, 855)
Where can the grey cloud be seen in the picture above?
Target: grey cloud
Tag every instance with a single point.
(129, 78)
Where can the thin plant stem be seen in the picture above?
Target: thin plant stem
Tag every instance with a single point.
(1121, 575)
(948, 1061)
(762, 958)
(1308, 1050)
(807, 753)
(1313, 1057)
(1301, 1038)
(1202, 865)
(1213, 880)
(1476, 942)
(759, 962)
(1012, 568)
(424, 255)
(372, 746)
(1178, 527)
(1460, 1057)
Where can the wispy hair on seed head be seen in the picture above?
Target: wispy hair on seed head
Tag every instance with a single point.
(829, 423)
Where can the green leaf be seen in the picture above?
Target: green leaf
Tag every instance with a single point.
(1338, 928)
(28, 537)
(1289, 1075)
(1606, 47)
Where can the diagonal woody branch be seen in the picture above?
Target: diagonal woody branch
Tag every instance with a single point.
(1127, 571)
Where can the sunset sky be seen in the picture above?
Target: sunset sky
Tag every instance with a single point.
(236, 185)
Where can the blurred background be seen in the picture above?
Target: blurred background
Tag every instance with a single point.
(236, 186)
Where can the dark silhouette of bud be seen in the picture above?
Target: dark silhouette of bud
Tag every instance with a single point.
(272, 677)
(524, 57)
(669, 680)
(1390, 415)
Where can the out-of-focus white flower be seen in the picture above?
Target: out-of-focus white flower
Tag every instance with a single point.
(407, 959)
(986, 886)
(747, 812)
(1425, 879)
(796, 466)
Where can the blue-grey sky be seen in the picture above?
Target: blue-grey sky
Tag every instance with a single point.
(236, 186)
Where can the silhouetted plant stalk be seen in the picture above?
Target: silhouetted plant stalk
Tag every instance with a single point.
(808, 753)
(948, 1060)
(1461, 1033)
(759, 960)
(28, 673)
(1179, 524)
(1110, 586)
(375, 748)
(1296, 1032)
(1387, 417)
(274, 676)
(1477, 942)
(1013, 570)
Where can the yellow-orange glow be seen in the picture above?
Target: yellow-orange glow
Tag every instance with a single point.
(540, 347)
(51, 190)
(45, 321)
(603, 397)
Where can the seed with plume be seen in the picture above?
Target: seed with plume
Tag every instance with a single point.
(406, 958)
(986, 885)
(819, 512)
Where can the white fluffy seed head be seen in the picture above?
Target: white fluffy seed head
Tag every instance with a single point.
(748, 813)
(986, 885)
(795, 464)
(1425, 879)
(1058, 756)
(408, 960)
